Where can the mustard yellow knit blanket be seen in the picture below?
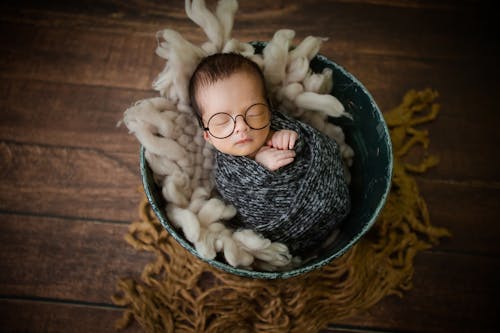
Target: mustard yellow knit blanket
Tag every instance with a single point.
(180, 293)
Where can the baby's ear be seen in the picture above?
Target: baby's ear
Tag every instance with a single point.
(206, 136)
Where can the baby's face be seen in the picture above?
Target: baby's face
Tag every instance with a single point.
(234, 95)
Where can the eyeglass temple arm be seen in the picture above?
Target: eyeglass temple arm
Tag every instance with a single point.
(200, 122)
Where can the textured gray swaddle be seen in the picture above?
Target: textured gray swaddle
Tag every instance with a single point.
(300, 204)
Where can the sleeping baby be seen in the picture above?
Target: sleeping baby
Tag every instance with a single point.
(285, 178)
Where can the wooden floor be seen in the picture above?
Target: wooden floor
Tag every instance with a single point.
(70, 177)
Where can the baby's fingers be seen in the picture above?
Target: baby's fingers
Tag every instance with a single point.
(293, 139)
(281, 154)
(282, 162)
(284, 157)
(285, 138)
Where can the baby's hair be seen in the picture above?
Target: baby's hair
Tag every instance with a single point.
(217, 67)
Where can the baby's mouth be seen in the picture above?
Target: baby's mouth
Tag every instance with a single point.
(243, 140)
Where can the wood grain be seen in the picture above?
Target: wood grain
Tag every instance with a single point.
(79, 57)
(69, 176)
(85, 183)
(78, 116)
(61, 181)
(382, 23)
(84, 115)
(74, 260)
(81, 261)
(468, 211)
(47, 316)
(452, 293)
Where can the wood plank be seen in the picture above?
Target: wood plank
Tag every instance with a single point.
(111, 193)
(61, 181)
(71, 188)
(86, 183)
(451, 293)
(69, 70)
(382, 23)
(69, 260)
(462, 136)
(47, 316)
(67, 115)
(78, 57)
(77, 176)
(80, 261)
(127, 57)
(464, 129)
(468, 211)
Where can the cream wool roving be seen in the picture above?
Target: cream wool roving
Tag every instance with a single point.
(181, 160)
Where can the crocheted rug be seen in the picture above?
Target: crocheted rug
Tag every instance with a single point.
(180, 293)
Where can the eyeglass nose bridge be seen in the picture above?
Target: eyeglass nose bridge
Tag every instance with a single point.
(244, 120)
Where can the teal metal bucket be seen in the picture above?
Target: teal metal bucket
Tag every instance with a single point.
(371, 173)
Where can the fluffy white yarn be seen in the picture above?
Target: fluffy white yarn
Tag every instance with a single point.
(180, 158)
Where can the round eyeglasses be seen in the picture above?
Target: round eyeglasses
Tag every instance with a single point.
(221, 125)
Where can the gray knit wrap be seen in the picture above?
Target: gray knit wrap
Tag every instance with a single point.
(299, 204)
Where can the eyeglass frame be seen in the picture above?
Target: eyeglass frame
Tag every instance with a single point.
(244, 116)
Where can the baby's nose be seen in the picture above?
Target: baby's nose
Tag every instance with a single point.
(240, 124)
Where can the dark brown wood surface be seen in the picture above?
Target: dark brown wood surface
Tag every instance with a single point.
(70, 176)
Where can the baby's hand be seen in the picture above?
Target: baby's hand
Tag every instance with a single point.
(273, 159)
(283, 139)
